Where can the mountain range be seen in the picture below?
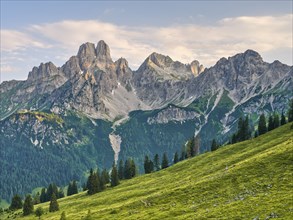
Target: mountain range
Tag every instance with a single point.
(92, 111)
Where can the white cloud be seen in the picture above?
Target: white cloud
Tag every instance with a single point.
(12, 40)
(185, 43)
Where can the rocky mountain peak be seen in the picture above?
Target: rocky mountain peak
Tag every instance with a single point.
(103, 52)
(86, 50)
(86, 55)
(43, 71)
(159, 60)
(196, 67)
(249, 56)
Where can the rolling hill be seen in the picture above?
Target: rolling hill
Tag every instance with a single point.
(247, 180)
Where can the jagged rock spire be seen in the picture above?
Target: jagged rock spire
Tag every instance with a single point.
(103, 52)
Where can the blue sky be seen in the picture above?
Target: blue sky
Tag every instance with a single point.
(40, 31)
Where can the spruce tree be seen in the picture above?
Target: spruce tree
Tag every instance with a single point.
(214, 145)
(271, 123)
(146, 165)
(60, 193)
(247, 132)
(43, 196)
(132, 168)
(69, 189)
(16, 203)
(36, 198)
(188, 149)
(240, 133)
(156, 162)
(121, 170)
(28, 206)
(127, 169)
(165, 162)
(283, 119)
(183, 153)
(54, 206)
(262, 125)
(114, 176)
(290, 111)
(39, 212)
(52, 188)
(93, 183)
(74, 187)
(176, 158)
(276, 121)
(105, 178)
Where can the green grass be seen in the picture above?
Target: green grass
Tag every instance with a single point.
(247, 180)
(41, 116)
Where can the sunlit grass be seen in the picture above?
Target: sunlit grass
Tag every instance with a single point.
(247, 180)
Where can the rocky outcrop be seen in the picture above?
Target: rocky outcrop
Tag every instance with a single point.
(172, 114)
(93, 84)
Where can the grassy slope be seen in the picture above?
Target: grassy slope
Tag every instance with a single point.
(241, 181)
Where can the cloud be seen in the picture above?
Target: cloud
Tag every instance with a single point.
(12, 40)
(185, 43)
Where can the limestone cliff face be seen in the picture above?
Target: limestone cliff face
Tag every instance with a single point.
(91, 83)
(173, 114)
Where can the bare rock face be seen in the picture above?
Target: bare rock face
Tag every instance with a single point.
(93, 84)
(173, 114)
(86, 55)
(196, 68)
(160, 81)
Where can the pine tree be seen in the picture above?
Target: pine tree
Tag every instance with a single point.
(60, 193)
(36, 198)
(121, 170)
(276, 121)
(165, 162)
(74, 188)
(156, 163)
(132, 168)
(283, 119)
(290, 111)
(16, 203)
(105, 178)
(127, 169)
(146, 165)
(52, 188)
(188, 149)
(271, 123)
(262, 125)
(176, 158)
(39, 212)
(54, 206)
(234, 139)
(43, 197)
(63, 216)
(28, 206)
(114, 176)
(214, 145)
(69, 189)
(93, 183)
(183, 153)
(106, 175)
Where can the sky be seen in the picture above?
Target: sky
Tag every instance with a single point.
(34, 32)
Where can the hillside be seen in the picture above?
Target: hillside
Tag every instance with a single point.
(247, 180)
